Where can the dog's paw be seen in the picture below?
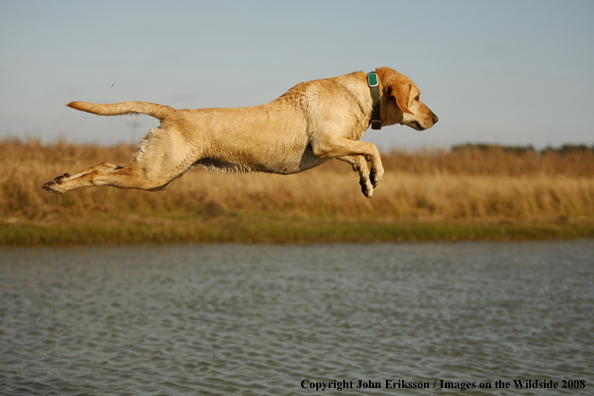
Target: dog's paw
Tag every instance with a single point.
(54, 185)
(373, 179)
(366, 187)
(376, 176)
(51, 186)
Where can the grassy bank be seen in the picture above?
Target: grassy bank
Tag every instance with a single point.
(257, 231)
(468, 193)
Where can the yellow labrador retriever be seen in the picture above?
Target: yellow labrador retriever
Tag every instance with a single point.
(310, 124)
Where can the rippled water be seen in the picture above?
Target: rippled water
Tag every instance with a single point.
(274, 320)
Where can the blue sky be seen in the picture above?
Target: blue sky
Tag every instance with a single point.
(507, 72)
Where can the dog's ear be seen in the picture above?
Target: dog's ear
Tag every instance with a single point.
(401, 92)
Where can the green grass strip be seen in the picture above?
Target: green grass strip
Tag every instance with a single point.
(294, 232)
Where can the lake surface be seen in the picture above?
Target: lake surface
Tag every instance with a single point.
(281, 320)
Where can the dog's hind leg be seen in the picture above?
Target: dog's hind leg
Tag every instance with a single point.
(106, 174)
(161, 159)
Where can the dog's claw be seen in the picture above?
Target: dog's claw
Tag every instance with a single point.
(47, 186)
(52, 185)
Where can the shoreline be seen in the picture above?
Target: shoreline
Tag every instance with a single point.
(233, 230)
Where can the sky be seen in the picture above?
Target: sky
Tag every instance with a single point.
(504, 72)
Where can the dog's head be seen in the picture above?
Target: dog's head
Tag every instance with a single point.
(402, 102)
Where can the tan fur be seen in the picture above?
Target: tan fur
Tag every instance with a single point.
(310, 124)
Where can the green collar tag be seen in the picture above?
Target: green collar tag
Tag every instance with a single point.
(376, 114)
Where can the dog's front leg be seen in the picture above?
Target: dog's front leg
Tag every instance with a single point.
(359, 164)
(327, 146)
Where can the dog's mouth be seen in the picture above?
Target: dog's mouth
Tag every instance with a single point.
(417, 126)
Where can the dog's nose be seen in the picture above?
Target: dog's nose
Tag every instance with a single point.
(435, 119)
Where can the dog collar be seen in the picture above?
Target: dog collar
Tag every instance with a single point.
(376, 114)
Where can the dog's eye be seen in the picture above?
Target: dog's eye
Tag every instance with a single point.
(417, 98)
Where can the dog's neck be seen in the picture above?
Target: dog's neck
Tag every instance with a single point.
(376, 114)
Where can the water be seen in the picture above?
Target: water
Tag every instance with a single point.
(275, 320)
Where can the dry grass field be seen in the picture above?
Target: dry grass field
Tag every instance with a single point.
(489, 185)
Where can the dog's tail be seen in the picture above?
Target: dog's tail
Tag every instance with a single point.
(152, 109)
